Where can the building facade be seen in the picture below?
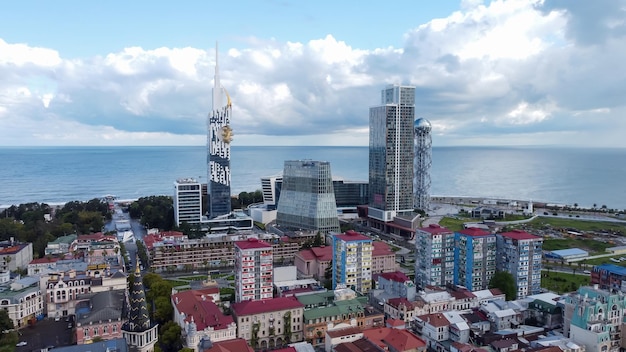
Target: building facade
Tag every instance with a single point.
(434, 256)
(100, 316)
(307, 197)
(187, 201)
(352, 261)
(391, 153)
(475, 257)
(269, 323)
(253, 270)
(22, 300)
(421, 163)
(219, 138)
(520, 254)
(15, 255)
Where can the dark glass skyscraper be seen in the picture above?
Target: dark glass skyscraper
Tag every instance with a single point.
(218, 145)
(391, 153)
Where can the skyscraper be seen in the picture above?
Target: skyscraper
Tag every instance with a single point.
(140, 334)
(475, 258)
(187, 201)
(520, 253)
(421, 164)
(391, 153)
(218, 145)
(307, 197)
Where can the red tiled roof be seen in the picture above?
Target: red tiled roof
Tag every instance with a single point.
(234, 345)
(360, 345)
(352, 235)
(205, 313)
(286, 349)
(13, 249)
(353, 330)
(395, 322)
(252, 243)
(474, 232)
(520, 235)
(461, 294)
(435, 229)
(396, 302)
(396, 276)
(44, 260)
(400, 340)
(323, 254)
(495, 291)
(435, 319)
(265, 305)
(381, 249)
(91, 237)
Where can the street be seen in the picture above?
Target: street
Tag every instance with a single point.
(45, 333)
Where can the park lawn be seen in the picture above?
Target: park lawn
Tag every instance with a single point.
(454, 224)
(194, 278)
(563, 282)
(580, 225)
(176, 283)
(592, 246)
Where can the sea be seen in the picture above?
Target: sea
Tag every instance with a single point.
(56, 175)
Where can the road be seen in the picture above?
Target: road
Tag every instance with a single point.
(45, 333)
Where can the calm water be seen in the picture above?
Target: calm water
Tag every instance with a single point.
(60, 174)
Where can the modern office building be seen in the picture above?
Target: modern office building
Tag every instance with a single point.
(422, 162)
(434, 256)
(352, 261)
(519, 253)
(475, 257)
(307, 198)
(187, 201)
(271, 187)
(219, 138)
(391, 155)
(253, 270)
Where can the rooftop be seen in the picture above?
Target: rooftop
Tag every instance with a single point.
(381, 249)
(353, 330)
(252, 243)
(474, 232)
(611, 268)
(520, 235)
(235, 345)
(435, 319)
(352, 235)
(394, 339)
(396, 276)
(569, 252)
(265, 305)
(195, 304)
(435, 229)
(13, 249)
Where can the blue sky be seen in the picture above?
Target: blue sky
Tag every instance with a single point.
(506, 72)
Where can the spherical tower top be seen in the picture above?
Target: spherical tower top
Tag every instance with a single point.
(422, 124)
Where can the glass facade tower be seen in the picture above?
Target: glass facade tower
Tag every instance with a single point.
(307, 198)
(391, 153)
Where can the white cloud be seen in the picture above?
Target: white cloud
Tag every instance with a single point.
(511, 71)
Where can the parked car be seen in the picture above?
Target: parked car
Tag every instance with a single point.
(21, 343)
(586, 272)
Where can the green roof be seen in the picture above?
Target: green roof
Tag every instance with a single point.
(339, 308)
(316, 299)
(68, 239)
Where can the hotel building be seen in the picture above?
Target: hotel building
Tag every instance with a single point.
(187, 201)
(391, 158)
(352, 261)
(519, 253)
(307, 198)
(475, 257)
(434, 256)
(253, 270)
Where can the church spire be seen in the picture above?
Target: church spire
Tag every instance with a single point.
(138, 317)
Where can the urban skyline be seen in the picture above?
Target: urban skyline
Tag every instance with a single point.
(486, 73)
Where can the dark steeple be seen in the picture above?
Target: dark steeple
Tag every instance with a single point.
(138, 317)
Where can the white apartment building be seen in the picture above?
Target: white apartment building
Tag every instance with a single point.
(22, 300)
(352, 261)
(434, 256)
(253, 270)
(519, 253)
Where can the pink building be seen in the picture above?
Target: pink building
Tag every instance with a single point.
(253, 270)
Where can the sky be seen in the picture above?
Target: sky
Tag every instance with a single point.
(488, 73)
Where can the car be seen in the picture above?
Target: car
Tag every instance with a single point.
(586, 272)
(196, 272)
(57, 318)
(21, 343)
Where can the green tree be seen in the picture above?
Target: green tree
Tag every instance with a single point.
(318, 240)
(10, 338)
(169, 338)
(505, 282)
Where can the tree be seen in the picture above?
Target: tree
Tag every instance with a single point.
(10, 338)
(505, 282)
(318, 241)
(169, 338)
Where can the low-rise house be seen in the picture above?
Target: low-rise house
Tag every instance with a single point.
(100, 315)
(200, 318)
(60, 246)
(488, 295)
(22, 300)
(400, 308)
(41, 265)
(504, 319)
(15, 255)
(459, 329)
(436, 300)
(337, 336)
(269, 323)
(397, 284)
(235, 345)
(562, 342)
(465, 347)
(434, 328)
(504, 345)
(478, 322)
(396, 340)
(464, 299)
(360, 345)
(314, 262)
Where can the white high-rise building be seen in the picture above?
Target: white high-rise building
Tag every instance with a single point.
(520, 253)
(187, 201)
(253, 270)
(352, 261)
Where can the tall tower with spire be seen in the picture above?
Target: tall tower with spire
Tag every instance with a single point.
(218, 144)
(140, 334)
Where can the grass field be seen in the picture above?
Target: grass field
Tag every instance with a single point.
(194, 278)
(563, 282)
(454, 224)
(580, 225)
(591, 246)
(177, 282)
